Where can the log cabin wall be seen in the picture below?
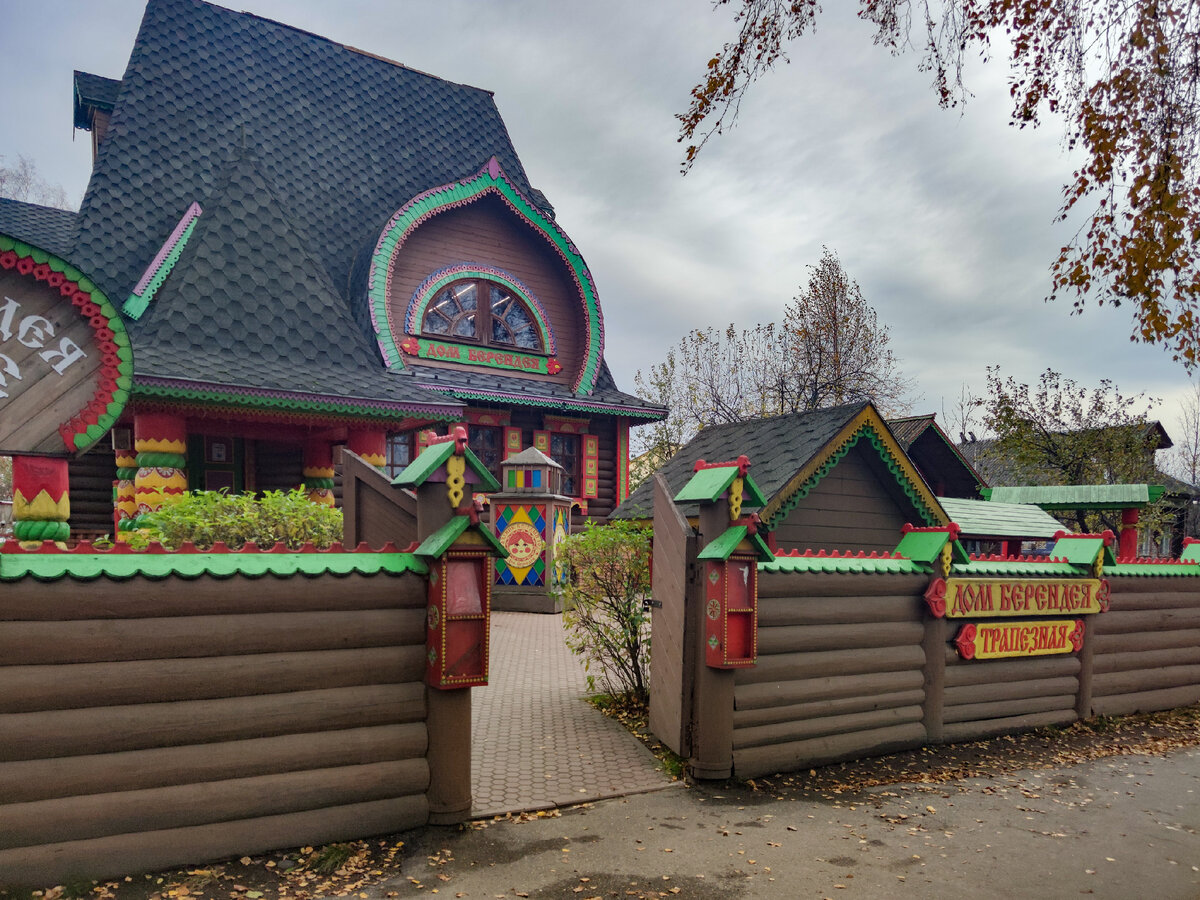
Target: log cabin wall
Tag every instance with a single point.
(150, 723)
(840, 672)
(853, 665)
(91, 491)
(1146, 648)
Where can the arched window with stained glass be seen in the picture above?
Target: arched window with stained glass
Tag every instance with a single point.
(482, 311)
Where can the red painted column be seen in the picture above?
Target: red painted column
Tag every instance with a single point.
(41, 505)
(1129, 533)
(160, 440)
(369, 443)
(318, 471)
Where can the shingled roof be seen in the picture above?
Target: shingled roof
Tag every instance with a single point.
(216, 106)
(248, 305)
(44, 227)
(777, 447)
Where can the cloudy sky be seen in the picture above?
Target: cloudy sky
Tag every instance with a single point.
(946, 220)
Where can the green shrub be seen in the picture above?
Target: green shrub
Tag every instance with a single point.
(606, 623)
(205, 517)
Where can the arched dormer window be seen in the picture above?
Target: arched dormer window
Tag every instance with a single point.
(484, 312)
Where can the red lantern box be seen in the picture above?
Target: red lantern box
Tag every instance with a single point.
(731, 612)
(457, 620)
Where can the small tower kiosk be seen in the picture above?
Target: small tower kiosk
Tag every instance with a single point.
(530, 516)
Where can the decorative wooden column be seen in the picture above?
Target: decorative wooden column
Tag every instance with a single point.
(318, 471)
(1129, 533)
(370, 444)
(127, 469)
(41, 505)
(160, 440)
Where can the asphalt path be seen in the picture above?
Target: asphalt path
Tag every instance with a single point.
(1116, 827)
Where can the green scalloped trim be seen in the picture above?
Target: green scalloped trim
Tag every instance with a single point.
(490, 178)
(836, 456)
(318, 484)
(214, 397)
(1146, 570)
(84, 438)
(1017, 569)
(844, 565)
(136, 304)
(120, 566)
(161, 461)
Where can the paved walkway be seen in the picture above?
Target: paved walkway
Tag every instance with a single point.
(535, 743)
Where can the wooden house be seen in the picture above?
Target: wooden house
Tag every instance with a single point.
(312, 247)
(834, 479)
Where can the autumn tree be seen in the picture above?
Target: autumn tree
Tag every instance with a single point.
(1122, 77)
(23, 182)
(1059, 432)
(829, 349)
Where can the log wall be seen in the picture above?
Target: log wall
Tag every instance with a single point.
(840, 672)
(854, 665)
(1146, 648)
(151, 723)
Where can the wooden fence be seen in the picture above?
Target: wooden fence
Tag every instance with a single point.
(153, 722)
(854, 665)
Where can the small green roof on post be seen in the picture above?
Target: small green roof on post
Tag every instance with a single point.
(443, 539)
(1083, 549)
(925, 544)
(728, 542)
(711, 480)
(434, 457)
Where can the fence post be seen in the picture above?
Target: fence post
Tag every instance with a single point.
(712, 709)
(934, 644)
(447, 713)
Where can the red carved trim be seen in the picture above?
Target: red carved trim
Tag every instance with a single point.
(742, 463)
(935, 597)
(965, 642)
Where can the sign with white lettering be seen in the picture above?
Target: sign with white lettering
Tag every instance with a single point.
(65, 361)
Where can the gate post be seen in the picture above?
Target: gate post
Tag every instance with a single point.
(724, 619)
(712, 711)
(459, 549)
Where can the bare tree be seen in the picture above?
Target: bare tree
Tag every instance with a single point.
(22, 182)
(829, 349)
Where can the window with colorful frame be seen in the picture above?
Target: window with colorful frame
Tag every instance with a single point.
(477, 310)
(569, 444)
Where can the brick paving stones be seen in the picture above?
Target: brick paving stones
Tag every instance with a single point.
(535, 743)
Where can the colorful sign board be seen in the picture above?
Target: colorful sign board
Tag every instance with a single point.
(521, 530)
(999, 640)
(447, 351)
(65, 362)
(959, 598)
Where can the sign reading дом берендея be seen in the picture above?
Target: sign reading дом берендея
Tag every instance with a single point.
(998, 597)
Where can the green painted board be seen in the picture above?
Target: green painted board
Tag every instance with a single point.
(844, 565)
(1078, 496)
(442, 539)
(1082, 551)
(982, 518)
(922, 546)
(120, 566)
(725, 545)
(707, 484)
